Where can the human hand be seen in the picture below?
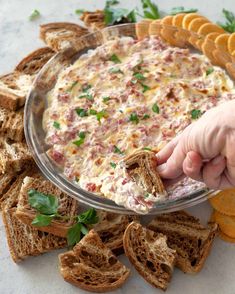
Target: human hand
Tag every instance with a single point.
(204, 151)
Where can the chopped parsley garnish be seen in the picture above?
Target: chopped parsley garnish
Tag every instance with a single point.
(146, 116)
(82, 135)
(134, 81)
(106, 99)
(86, 88)
(145, 87)
(181, 9)
(117, 150)
(196, 113)
(147, 148)
(100, 115)
(87, 96)
(79, 11)
(134, 118)
(146, 195)
(56, 125)
(111, 2)
(229, 25)
(34, 15)
(72, 86)
(113, 164)
(92, 112)
(209, 71)
(150, 9)
(115, 70)
(155, 108)
(115, 59)
(138, 76)
(79, 142)
(81, 112)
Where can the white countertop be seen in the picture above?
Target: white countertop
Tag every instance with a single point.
(39, 275)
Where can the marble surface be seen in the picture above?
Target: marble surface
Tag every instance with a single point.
(18, 36)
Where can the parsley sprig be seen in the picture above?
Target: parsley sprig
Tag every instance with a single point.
(196, 113)
(229, 25)
(81, 139)
(47, 207)
(150, 9)
(181, 9)
(34, 15)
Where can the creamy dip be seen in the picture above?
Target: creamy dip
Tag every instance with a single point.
(123, 96)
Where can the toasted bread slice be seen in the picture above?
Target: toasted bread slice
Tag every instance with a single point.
(61, 35)
(93, 19)
(14, 156)
(6, 181)
(13, 89)
(141, 166)
(150, 255)
(33, 62)
(12, 124)
(111, 228)
(191, 240)
(67, 206)
(92, 266)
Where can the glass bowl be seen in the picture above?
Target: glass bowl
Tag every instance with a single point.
(37, 102)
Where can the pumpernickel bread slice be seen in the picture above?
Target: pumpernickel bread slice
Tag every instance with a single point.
(61, 35)
(68, 206)
(187, 236)
(92, 266)
(13, 89)
(111, 228)
(150, 255)
(32, 63)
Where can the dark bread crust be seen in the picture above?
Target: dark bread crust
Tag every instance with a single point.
(149, 254)
(93, 19)
(188, 237)
(92, 266)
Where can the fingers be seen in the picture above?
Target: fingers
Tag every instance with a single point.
(192, 165)
(213, 172)
(166, 152)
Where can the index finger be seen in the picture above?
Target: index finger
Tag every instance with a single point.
(166, 151)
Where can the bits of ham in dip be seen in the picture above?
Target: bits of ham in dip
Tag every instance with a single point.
(124, 96)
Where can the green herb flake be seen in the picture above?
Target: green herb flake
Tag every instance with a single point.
(147, 148)
(106, 99)
(139, 76)
(72, 86)
(209, 71)
(34, 15)
(92, 112)
(146, 195)
(134, 81)
(155, 108)
(111, 3)
(115, 70)
(56, 125)
(145, 88)
(150, 9)
(101, 114)
(134, 118)
(117, 150)
(229, 25)
(82, 135)
(113, 165)
(74, 234)
(114, 58)
(79, 11)
(181, 9)
(88, 217)
(81, 112)
(86, 88)
(146, 116)
(196, 113)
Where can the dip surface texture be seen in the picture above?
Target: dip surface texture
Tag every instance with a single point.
(123, 96)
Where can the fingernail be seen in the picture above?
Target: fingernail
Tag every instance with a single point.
(217, 159)
(161, 167)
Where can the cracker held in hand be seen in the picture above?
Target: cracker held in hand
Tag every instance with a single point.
(92, 266)
(224, 202)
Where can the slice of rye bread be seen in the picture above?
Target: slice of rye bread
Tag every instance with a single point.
(92, 266)
(188, 237)
(111, 228)
(94, 20)
(150, 255)
(12, 124)
(14, 88)
(61, 35)
(141, 166)
(68, 206)
(14, 156)
(32, 63)
(6, 182)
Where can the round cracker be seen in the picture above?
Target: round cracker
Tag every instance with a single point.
(209, 28)
(196, 23)
(188, 18)
(222, 41)
(231, 43)
(226, 223)
(193, 40)
(226, 238)
(207, 48)
(211, 36)
(155, 27)
(170, 35)
(142, 29)
(167, 20)
(178, 20)
(222, 57)
(230, 67)
(224, 202)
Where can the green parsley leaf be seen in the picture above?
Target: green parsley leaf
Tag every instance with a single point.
(113, 164)
(74, 234)
(114, 58)
(100, 115)
(117, 150)
(34, 15)
(181, 9)
(134, 118)
(82, 135)
(86, 88)
(43, 203)
(88, 217)
(81, 112)
(209, 71)
(42, 220)
(134, 81)
(196, 113)
(84, 230)
(229, 25)
(111, 3)
(145, 88)
(146, 195)
(146, 116)
(139, 76)
(155, 108)
(114, 15)
(147, 148)
(79, 11)
(106, 99)
(87, 96)
(78, 142)
(131, 16)
(56, 125)
(92, 111)
(150, 9)
(115, 70)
